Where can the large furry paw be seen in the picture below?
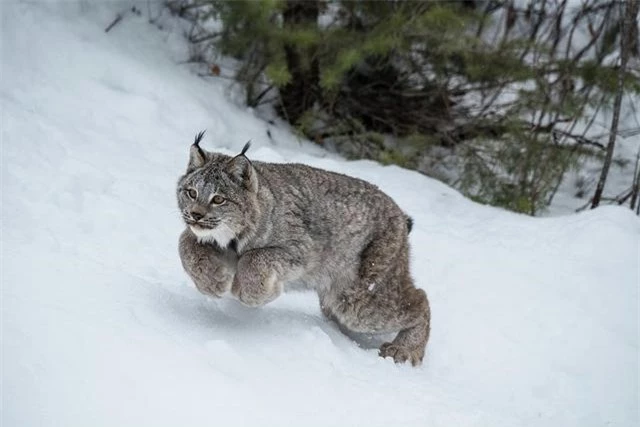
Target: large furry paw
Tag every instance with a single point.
(214, 286)
(212, 276)
(254, 290)
(401, 354)
(210, 268)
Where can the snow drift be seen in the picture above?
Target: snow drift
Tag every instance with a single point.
(535, 321)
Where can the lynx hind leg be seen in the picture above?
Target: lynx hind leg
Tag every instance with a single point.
(398, 307)
(411, 341)
(384, 252)
(384, 269)
(382, 300)
(211, 268)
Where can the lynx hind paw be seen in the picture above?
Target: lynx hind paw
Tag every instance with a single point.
(401, 354)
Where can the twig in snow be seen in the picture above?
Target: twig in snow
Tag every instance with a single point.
(114, 23)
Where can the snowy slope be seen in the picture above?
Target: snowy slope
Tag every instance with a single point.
(535, 321)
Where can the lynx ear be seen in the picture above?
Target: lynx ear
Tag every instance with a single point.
(242, 171)
(197, 157)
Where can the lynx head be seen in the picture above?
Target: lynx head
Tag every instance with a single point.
(217, 195)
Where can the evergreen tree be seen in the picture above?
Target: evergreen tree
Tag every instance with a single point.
(501, 88)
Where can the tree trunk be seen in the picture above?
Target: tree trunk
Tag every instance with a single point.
(304, 89)
(629, 15)
(635, 190)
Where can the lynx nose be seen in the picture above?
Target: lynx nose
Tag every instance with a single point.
(197, 216)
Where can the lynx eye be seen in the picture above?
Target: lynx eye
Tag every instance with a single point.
(192, 193)
(217, 199)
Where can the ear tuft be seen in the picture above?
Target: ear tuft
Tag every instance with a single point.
(199, 138)
(245, 148)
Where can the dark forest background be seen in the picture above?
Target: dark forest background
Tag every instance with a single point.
(495, 97)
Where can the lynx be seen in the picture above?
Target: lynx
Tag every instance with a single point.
(255, 229)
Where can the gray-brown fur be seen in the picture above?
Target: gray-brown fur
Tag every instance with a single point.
(285, 225)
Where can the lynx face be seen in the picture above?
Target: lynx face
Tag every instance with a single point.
(217, 195)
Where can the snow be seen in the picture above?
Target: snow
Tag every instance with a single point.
(535, 321)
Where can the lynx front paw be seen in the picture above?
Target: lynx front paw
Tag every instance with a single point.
(214, 287)
(401, 354)
(255, 290)
(210, 268)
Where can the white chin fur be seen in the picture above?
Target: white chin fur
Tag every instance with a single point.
(222, 235)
